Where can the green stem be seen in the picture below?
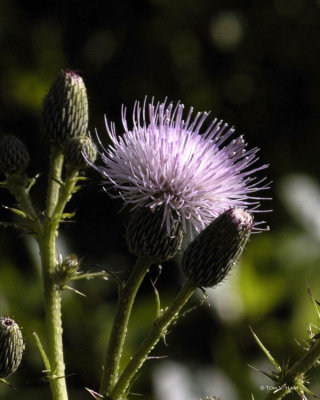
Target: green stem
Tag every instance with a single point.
(52, 292)
(158, 330)
(45, 233)
(22, 196)
(127, 295)
(53, 315)
(306, 362)
(17, 187)
(54, 184)
(66, 191)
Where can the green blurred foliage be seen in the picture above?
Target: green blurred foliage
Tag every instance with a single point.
(254, 64)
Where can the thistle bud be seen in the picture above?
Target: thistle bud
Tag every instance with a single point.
(14, 156)
(148, 236)
(11, 346)
(76, 148)
(65, 108)
(210, 257)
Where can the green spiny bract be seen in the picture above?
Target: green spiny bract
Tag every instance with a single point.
(14, 155)
(67, 268)
(65, 108)
(76, 149)
(147, 235)
(11, 346)
(210, 257)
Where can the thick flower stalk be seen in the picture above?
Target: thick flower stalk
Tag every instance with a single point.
(206, 262)
(65, 124)
(171, 163)
(65, 118)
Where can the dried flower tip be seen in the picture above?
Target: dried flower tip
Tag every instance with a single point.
(210, 257)
(76, 148)
(14, 155)
(65, 108)
(147, 235)
(11, 346)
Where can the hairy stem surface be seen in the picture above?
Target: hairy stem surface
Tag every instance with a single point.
(52, 292)
(53, 316)
(127, 295)
(158, 330)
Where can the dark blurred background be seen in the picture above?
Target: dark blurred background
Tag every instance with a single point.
(254, 64)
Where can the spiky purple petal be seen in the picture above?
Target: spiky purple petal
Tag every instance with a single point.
(164, 161)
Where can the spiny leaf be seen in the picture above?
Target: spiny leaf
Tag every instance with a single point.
(68, 215)
(8, 383)
(266, 351)
(42, 351)
(94, 394)
(302, 389)
(32, 181)
(119, 282)
(66, 287)
(76, 189)
(90, 275)
(16, 211)
(315, 303)
(156, 293)
(270, 376)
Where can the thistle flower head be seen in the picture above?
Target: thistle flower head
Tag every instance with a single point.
(167, 161)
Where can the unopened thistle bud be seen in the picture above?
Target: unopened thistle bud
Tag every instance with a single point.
(65, 108)
(11, 346)
(147, 235)
(78, 150)
(14, 156)
(210, 257)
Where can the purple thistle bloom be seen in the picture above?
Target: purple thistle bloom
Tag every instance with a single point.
(164, 161)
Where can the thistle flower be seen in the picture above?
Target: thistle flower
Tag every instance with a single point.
(165, 163)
